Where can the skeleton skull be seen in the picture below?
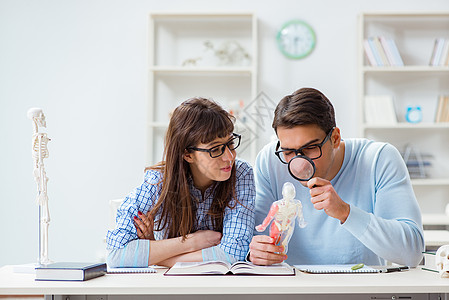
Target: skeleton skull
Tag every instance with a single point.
(37, 115)
(442, 260)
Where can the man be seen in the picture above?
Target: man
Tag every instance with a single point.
(359, 204)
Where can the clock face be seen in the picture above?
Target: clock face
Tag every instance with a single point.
(296, 39)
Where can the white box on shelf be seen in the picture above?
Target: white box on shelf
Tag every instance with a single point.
(379, 110)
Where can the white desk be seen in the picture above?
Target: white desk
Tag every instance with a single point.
(416, 283)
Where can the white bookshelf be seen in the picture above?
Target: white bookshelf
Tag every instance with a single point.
(415, 83)
(175, 38)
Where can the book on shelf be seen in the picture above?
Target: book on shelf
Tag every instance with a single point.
(375, 52)
(225, 268)
(131, 270)
(379, 110)
(381, 51)
(444, 54)
(369, 53)
(335, 269)
(438, 58)
(390, 45)
(70, 271)
(446, 61)
(442, 111)
(387, 50)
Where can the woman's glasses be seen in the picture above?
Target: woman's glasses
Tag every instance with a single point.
(218, 150)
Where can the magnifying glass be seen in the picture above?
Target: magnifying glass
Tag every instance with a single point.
(301, 168)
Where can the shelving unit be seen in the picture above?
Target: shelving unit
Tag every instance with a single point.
(182, 67)
(415, 83)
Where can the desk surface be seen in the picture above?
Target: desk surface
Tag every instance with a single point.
(413, 281)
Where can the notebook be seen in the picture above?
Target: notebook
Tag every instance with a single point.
(334, 269)
(131, 270)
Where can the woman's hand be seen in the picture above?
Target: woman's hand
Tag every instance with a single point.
(144, 226)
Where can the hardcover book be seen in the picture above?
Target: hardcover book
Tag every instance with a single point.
(70, 271)
(225, 268)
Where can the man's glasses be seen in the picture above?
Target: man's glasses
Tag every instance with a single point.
(218, 150)
(310, 151)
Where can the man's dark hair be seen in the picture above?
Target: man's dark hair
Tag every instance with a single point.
(306, 106)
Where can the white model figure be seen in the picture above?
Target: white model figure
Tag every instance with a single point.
(283, 213)
(442, 261)
(40, 151)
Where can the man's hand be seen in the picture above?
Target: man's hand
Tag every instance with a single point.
(263, 251)
(324, 197)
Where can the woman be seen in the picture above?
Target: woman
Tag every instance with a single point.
(198, 203)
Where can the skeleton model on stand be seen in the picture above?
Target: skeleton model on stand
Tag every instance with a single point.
(40, 151)
(283, 213)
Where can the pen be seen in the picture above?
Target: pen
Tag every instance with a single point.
(395, 269)
(357, 266)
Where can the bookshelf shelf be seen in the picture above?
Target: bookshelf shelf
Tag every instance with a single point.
(407, 126)
(224, 71)
(405, 69)
(200, 54)
(431, 182)
(415, 83)
(435, 219)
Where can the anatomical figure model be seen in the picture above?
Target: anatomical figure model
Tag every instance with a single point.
(40, 151)
(442, 261)
(283, 213)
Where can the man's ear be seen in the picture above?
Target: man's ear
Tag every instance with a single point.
(188, 156)
(336, 138)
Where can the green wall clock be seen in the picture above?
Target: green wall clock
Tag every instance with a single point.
(296, 39)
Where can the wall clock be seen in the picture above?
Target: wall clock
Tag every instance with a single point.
(296, 39)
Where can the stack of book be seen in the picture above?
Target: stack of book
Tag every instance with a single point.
(382, 51)
(442, 112)
(440, 53)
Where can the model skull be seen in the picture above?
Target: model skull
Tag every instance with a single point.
(37, 115)
(442, 260)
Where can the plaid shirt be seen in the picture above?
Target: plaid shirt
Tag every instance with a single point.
(238, 222)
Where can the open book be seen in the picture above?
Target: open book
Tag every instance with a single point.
(224, 268)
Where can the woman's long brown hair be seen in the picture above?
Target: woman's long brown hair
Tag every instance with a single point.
(195, 121)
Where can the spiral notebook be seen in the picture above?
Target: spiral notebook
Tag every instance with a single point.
(131, 270)
(334, 269)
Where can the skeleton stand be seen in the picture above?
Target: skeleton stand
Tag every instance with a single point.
(40, 151)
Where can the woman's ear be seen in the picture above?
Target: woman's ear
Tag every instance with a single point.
(188, 156)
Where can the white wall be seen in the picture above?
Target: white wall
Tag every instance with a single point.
(84, 62)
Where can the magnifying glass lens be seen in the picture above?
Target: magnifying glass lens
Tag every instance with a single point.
(301, 168)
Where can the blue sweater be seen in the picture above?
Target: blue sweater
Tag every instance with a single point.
(384, 221)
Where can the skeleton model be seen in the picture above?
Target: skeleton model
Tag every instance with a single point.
(283, 213)
(442, 260)
(40, 151)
